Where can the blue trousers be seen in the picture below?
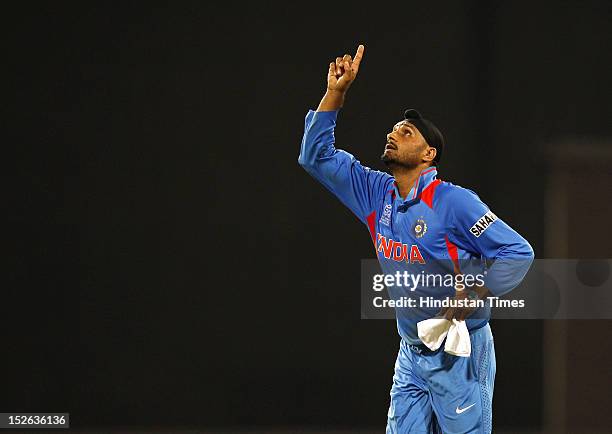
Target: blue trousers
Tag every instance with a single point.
(436, 392)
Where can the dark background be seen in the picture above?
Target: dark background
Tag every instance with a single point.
(169, 263)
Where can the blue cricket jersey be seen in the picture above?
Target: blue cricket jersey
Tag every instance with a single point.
(439, 228)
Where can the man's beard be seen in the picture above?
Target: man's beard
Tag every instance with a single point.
(392, 162)
(386, 159)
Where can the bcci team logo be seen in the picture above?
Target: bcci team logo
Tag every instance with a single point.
(420, 228)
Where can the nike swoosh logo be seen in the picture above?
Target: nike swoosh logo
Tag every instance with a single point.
(461, 410)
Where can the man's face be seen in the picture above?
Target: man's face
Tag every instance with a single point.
(405, 147)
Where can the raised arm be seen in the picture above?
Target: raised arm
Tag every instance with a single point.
(355, 185)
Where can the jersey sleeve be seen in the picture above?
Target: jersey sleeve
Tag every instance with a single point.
(476, 229)
(355, 185)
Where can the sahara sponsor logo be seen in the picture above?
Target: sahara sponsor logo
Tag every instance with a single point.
(482, 224)
(397, 251)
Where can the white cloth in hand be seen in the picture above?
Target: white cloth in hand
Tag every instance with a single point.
(433, 331)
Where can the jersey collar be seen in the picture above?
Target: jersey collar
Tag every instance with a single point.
(426, 177)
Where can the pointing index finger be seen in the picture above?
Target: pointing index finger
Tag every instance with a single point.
(358, 55)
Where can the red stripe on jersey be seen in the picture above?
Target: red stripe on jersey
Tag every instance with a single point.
(428, 194)
(371, 218)
(416, 184)
(453, 254)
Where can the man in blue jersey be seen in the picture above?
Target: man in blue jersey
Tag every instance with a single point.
(421, 223)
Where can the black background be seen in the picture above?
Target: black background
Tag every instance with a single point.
(169, 263)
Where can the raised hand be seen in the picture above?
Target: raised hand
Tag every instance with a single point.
(343, 71)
